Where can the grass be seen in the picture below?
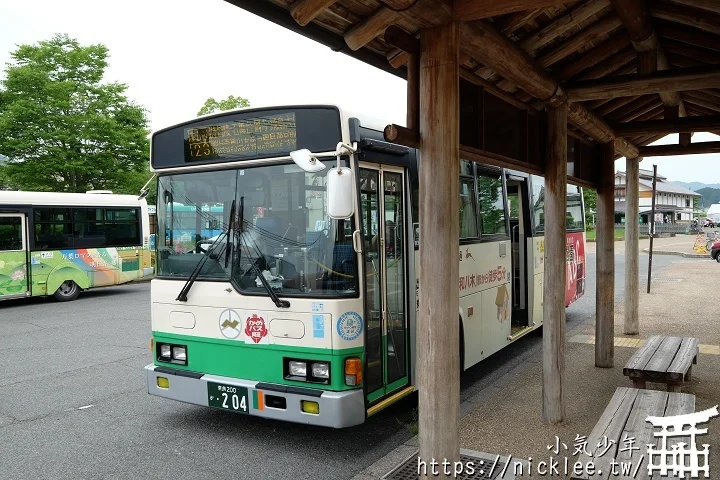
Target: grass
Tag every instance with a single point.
(590, 235)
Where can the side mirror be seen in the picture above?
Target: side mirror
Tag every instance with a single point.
(340, 189)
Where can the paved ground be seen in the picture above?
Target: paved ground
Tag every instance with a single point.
(503, 415)
(73, 402)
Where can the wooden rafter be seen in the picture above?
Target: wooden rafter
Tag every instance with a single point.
(598, 54)
(631, 107)
(517, 20)
(467, 10)
(654, 127)
(609, 65)
(647, 111)
(651, 57)
(665, 81)
(692, 149)
(561, 25)
(690, 36)
(709, 57)
(305, 11)
(703, 20)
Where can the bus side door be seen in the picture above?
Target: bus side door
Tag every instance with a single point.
(13, 255)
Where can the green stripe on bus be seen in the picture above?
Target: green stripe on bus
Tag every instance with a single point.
(260, 363)
(255, 399)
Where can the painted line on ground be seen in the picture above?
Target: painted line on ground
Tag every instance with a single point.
(637, 342)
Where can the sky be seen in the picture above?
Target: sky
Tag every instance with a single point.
(174, 54)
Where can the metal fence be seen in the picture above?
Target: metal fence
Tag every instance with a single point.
(660, 228)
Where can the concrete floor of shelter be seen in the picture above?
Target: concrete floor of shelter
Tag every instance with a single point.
(681, 303)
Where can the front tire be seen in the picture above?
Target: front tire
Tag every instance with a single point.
(67, 292)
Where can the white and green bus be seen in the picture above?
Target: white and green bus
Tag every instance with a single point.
(62, 243)
(303, 306)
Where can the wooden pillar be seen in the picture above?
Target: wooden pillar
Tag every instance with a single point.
(605, 260)
(438, 333)
(555, 268)
(632, 254)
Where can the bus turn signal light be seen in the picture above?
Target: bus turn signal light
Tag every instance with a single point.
(163, 382)
(353, 371)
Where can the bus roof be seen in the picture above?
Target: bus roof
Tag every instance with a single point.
(69, 199)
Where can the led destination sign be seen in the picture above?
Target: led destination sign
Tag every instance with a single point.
(250, 137)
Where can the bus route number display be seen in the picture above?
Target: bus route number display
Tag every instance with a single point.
(246, 138)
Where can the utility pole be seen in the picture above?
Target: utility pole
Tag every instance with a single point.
(652, 225)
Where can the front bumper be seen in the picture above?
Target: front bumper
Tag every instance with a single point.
(337, 409)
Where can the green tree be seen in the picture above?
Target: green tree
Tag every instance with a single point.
(230, 103)
(590, 200)
(65, 130)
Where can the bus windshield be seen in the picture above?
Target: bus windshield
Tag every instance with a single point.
(281, 229)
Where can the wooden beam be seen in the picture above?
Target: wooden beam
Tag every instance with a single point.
(587, 35)
(651, 57)
(366, 31)
(703, 99)
(703, 20)
(640, 111)
(596, 127)
(704, 55)
(492, 48)
(630, 107)
(676, 125)
(613, 105)
(710, 5)
(688, 35)
(604, 51)
(402, 136)
(399, 38)
(668, 150)
(605, 260)
(666, 81)
(632, 250)
(698, 109)
(685, 139)
(396, 57)
(487, 45)
(438, 372)
(555, 269)
(559, 26)
(517, 20)
(305, 11)
(609, 65)
(466, 10)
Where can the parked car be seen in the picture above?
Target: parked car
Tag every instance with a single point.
(715, 251)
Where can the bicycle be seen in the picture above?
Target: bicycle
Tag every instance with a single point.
(712, 238)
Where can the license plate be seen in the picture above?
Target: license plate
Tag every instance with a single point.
(228, 397)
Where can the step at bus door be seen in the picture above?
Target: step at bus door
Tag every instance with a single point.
(382, 197)
(13, 255)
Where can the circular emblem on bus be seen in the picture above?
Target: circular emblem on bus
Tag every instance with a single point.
(229, 323)
(349, 326)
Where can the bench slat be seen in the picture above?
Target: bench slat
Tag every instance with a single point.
(642, 355)
(616, 412)
(663, 357)
(683, 359)
(678, 404)
(648, 403)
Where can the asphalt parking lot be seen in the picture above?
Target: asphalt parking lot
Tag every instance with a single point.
(73, 402)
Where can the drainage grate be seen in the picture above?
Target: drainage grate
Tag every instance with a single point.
(474, 469)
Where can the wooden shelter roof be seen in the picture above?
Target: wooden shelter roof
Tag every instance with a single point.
(569, 42)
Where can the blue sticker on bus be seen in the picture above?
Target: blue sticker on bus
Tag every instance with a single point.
(349, 326)
(318, 326)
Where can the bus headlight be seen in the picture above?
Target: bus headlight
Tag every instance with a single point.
(298, 369)
(179, 353)
(321, 370)
(165, 350)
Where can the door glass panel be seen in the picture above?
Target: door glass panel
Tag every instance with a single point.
(369, 197)
(395, 275)
(11, 234)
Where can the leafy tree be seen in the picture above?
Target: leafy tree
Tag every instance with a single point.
(709, 196)
(230, 103)
(65, 130)
(590, 199)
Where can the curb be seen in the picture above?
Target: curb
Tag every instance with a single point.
(679, 254)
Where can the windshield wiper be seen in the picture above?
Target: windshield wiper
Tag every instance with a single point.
(182, 296)
(276, 300)
(228, 245)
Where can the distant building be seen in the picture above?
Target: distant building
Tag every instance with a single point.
(673, 203)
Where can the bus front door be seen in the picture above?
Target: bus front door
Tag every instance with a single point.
(13, 255)
(383, 205)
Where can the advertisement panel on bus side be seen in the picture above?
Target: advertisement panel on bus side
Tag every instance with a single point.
(575, 263)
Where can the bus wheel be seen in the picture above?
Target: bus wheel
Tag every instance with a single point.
(67, 291)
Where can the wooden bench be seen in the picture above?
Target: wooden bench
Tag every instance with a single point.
(624, 418)
(662, 359)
